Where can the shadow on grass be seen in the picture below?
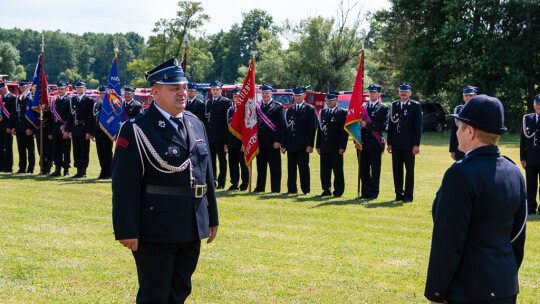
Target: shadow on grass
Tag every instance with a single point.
(365, 202)
(64, 180)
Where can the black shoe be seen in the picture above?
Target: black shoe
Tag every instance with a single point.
(55, 173)
(325, 193)
(8, 171)
(243, 187)
(258, 190)
(30, 172)
(220, 187)
(337, 194)
(233, 188)
(307, 193)
(364, 197)
(66, 172)
(407, 200)
(21, 171)
(398, 198)
(274, 192)
(288, 192)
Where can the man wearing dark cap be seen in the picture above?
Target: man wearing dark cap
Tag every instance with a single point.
(194, 105)
(479, 215)
(24, 131)
(164, 201)
(373, 125)
(468, 93)
(61, 143)
(301, 121)
(233, 147)
(271, 126)
(79, 127)
(331, 144)
(7, 123)
(216, 128)
(104, 144)
(529, 153)
(404, 133)
(131, 106)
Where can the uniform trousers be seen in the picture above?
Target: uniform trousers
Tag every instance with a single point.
(272, 158)
(81, 152)
(298, 159)
(164, 271)
(104, 147)
(531, 174)
(46, 158)
(370, 172)
(237, 160)
(332, 162)
(400, 158)
(507, 300)
(26, 147)
(61, 150)
(6, 152)
(217, 148)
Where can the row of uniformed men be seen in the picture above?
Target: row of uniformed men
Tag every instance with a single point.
(68, 121)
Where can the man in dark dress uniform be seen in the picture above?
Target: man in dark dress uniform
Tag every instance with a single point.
(164, 203)
(216, 128)
(7, 123)
(46, 158)
(104, 144)
(61, 143)
(479, 215)
(301, 121)
(468, 93)
(131, 106)
(372, 143)
(79, 128)
(194, 105)
(234, 149)
(24, 131)
(404, 133)
(331, 144)
(271, 125)
(529, 153)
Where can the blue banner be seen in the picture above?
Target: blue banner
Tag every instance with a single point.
(112, 113)
(39, 95)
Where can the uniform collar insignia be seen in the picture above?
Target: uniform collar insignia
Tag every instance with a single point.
(161, 124)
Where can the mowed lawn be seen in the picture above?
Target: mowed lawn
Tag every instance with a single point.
(57, 243)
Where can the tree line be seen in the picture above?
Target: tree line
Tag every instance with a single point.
(439, 46)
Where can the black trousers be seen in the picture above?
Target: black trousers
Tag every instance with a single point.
(61, 151)
(165, 270)
(272, 158)
(46, 158)
(217, 148)
(531, 175)
(370, 172)
(25, 145)
(236, 161)
(332, 162)
(400, 158)
(104, 147)
(6, 152)
(81, 152)
(507, 300)
(298, 159)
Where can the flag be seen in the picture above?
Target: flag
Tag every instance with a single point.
(356, 106)
(112, 113)
(244, 120)
(39, 93)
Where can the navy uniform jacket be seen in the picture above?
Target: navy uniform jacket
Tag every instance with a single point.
(162, 218)
(9, 102)
(196, 106)
(232, 141)
(80, 116)
(132, 108)
(21, 123)
(478, 210)
(302, 125)
(274, 112)
(94, 127)
(61, 106)
(453, 137)
(529, 148)
(332, 136)
(407, 130)
(216, 119)
(379, 118)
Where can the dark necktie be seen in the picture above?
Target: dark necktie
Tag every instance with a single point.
(181, 128)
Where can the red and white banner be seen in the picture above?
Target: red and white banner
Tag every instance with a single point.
(244, 120)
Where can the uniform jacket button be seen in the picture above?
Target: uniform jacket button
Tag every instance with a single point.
(437, 294)
(151, 207)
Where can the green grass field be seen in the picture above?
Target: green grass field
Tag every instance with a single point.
(57, 243)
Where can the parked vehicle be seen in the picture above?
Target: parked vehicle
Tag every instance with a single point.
(433, 115)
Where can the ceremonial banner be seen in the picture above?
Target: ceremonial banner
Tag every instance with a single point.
(112, 113)
(244, 120)
(356, 106)
(39, 93)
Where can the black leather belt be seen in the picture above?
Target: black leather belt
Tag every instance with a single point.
(197, 191)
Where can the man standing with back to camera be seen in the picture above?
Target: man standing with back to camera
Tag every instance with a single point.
(163, 193)
(479, 215)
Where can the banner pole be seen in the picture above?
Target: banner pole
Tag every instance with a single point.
(40, 104)
(360, 151)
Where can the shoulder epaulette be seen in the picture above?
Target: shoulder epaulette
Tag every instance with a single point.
(508, 158)
(138, 117)
(188, 113)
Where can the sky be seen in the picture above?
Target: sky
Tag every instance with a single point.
(122, 16)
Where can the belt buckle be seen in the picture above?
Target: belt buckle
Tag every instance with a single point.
(199, 191)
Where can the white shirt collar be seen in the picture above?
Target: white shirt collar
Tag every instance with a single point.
(168, 116)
